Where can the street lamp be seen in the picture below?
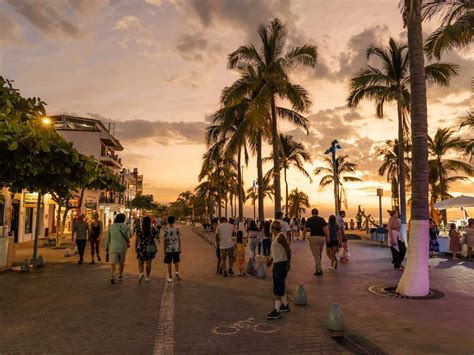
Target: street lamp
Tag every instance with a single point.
(335, 146)
(45, 120)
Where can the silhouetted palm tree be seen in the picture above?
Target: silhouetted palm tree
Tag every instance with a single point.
(297, 203)
(274, 66)
(344, 167)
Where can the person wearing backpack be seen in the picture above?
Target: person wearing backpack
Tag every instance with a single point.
(172, 248)
(146, 249)
(117, 242)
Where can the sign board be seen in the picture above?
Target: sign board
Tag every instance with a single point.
(91, 205)
(380, 192)
(30, 198)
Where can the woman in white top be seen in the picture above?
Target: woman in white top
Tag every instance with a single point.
(280, 257)
(470, 237)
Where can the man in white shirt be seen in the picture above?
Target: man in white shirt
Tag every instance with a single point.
(225, 242)
(285, 227)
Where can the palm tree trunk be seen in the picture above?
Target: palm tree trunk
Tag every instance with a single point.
(401, 173)
(442, 185)
(286, 192)
(261, 209)
(219, 199)
(239, 180)
(415, 279)
(276, 157)
(225, 211)
(231, 205)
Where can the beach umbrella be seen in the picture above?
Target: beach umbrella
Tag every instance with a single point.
(455, 202)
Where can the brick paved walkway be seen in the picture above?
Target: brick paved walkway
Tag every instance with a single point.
(73, 309)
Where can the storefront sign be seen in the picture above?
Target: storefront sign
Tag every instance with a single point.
(91, 205)
(30, 198)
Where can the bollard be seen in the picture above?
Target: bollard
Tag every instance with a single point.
(261, 271)
(300, 296)
(250, 265)
(39, 262)
(335, 318)
(25, 266)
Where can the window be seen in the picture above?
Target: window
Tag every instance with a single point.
(29, 220)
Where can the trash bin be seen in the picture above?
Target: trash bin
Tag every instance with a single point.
(379, 235)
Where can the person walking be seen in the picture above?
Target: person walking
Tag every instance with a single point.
(333, 241)
(261, 235)
(253, 238)
(285, 227)
(454, 240)
(94, 237)
(172, 248)
(240, 253)
(145, 248)
(295, 228)
(117, 243)
(395, 240)
(80, 230)
(281, 259)
(225, 239)
(359, 221)
(318, 233)
(470, 237)
(434, 232)
(267, 239)
(303, 228)
(342, 233)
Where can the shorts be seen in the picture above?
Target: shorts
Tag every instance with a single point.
(118, 258)
(228, 252)
(172, 257)
(332, 243)
(279, 278)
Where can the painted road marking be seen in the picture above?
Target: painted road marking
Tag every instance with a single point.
(164, 340)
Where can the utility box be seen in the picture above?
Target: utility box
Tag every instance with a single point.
(6, 253)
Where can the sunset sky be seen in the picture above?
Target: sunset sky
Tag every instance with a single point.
(156, 68)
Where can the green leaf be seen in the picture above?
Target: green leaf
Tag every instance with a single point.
(13, 146)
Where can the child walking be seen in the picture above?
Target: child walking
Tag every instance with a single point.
(240, 252)
(172, 248)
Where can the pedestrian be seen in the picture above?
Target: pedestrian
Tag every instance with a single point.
(395, 240)
(158, 226)
(80, 229)
(172, 248)
(302, 227)
(252, 233)
(318, 233)
(470, 237)
(351, 224)
(117, 242)
(295, 228)
(219, 259)
(434, 232)
(224, 237)
(454, 240)
(145, 248)
(240, 253)
(359, 221)
(267, 239)
(109, 223)
(285, 227)
(94, 237)
(333, 240)
(281, 259)
(342, 232)
(261, 235)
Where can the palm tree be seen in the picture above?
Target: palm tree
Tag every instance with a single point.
(274, 67)
(415, 279)
(389, 167)
(266, 189)
(468, 121)
(442, 144)
(344, 167)
(294, 154)
(457, 25)
(390, 84)
(298, 202)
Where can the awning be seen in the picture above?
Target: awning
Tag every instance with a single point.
(455, 202)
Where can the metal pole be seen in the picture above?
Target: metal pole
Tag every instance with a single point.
(380, 211)
(336, 180)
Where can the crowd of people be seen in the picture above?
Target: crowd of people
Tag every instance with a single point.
(118, 240)
(271, 240)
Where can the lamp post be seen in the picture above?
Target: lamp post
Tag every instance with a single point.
(335, 146)
(380, 194)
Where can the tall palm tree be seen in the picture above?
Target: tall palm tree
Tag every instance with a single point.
(468, 122)
(275, 66)
(297, 204)
(390, 84)
(457, 25)
(415, 279)
(344, 168)
(266, 190)
(292, 153)
(442, 167)
(389, 167)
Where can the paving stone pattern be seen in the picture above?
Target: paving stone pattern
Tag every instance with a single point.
(67, 308)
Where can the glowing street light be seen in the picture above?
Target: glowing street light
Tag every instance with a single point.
(45, 120)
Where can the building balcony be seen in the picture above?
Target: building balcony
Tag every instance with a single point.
(111, 160)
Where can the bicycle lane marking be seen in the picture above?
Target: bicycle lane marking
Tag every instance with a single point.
(164, 340)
